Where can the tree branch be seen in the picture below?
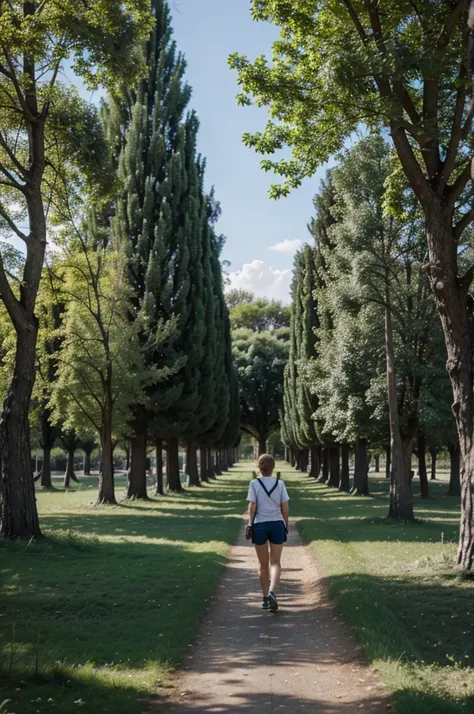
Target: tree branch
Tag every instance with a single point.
(410, 164)
(13, 306)
(463, 223)
(456, 131)
(454, 191)
(12, 225)
(4, 144)
(450, 24)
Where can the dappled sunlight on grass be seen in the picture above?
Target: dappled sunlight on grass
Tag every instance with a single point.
(397, 586)
(105, 606)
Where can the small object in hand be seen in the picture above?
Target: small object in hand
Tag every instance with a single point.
(248, 532)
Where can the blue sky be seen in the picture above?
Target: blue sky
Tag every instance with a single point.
(207, 31)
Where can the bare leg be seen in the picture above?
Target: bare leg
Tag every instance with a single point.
(263, 570)
(275, 566)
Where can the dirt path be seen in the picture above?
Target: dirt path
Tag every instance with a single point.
(301, 659)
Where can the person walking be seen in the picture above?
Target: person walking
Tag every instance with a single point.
(268, 521)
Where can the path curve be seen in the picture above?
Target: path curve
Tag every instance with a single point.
(301, 659)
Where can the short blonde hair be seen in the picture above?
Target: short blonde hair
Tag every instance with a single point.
(266, 464)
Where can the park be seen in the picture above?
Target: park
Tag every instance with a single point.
(151, 352)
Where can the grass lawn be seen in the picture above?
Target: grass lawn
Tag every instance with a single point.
(96, 615)
(395, 585)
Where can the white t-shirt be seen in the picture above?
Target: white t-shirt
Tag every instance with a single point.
(268, 509)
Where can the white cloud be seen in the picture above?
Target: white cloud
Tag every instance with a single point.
(262, 280)
(286, 246)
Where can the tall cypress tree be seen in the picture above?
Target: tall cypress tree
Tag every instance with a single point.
(219, 398)
(153, 214)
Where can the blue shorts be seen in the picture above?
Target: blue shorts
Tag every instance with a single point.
(274, 531)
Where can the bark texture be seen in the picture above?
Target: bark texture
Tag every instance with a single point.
(344, 481)
(360, 486)
(401, 496)
(136, 486)
(334, 467)
(192, 465)
(422, 470)
(173, 473)
(159, 490)
(315, 461)
(18, 513)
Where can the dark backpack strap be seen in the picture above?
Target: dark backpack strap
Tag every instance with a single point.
(268, 492)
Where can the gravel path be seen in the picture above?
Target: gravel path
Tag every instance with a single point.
(301, 659)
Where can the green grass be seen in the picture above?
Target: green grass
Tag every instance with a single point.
(396, 586)
(97, 615)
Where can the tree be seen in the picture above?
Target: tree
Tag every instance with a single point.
(300, 404)
(260, 315)
(159, 225)
(406, 67)
(260, 360)
(237, 297)
(42, 127)
(100, 370)
(50, 311)
(372, 266)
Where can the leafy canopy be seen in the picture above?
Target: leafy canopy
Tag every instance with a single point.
(341, 64)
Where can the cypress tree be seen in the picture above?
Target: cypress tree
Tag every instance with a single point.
(152, 217)
(299, 429)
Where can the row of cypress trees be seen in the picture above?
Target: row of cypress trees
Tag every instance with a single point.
(165, 222)
(367, 363)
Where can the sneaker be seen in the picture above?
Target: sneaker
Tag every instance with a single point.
(265, 603)
(272, 602)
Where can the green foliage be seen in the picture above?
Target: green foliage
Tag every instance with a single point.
(337, 65)
(372, 261)
(237, 297)
(257, 314)
(165, 226)
(260, 360)
(99, 348)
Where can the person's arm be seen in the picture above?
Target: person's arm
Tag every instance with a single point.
(252, 508)
(285, 510)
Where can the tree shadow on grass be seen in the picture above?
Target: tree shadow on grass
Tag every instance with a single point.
(327, 514)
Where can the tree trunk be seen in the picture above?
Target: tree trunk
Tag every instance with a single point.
(87, 463)
(334, 467)
(344, 482)
(136, 486)
(159, 467)
(106, 493)
(377, 463)
(204, 465)
(46, 481)
(18, 512)
(191, 465)
(361, 476)
(69, 474)
(262, 446)
(315, 461)
(455, 307)
(455, 470)
(173, 474)
(401, 496)
(434, 454)
(422, 471)
(325, 466)
(211, 472)
(388, 461)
